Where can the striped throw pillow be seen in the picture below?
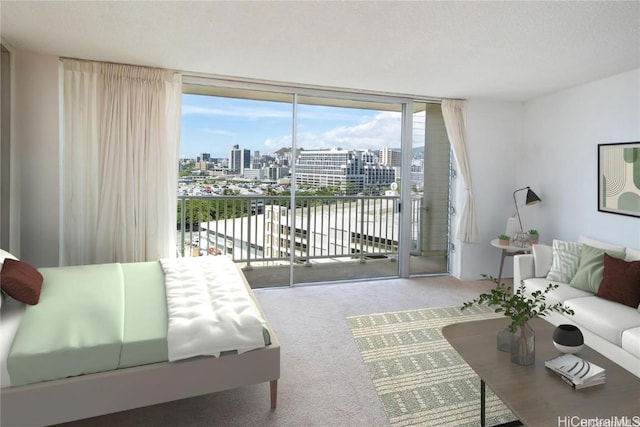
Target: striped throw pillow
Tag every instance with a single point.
(566, 258)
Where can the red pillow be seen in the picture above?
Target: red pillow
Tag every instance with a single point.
(620, 281)
(21, 281)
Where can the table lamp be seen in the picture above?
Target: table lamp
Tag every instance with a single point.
(532, 199)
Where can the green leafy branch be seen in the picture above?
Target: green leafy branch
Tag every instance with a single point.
(518, 306)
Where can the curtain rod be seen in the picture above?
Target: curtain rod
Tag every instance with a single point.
(271, 83)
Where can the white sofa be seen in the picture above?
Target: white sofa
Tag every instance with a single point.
(611, 328)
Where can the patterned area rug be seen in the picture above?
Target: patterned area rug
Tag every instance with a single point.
(419, 377)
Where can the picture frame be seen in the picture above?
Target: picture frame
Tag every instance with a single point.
(619, 178)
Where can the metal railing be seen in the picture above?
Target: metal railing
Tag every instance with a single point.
(267, 228)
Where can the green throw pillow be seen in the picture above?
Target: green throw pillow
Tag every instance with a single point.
(591, 267)
(565, 261)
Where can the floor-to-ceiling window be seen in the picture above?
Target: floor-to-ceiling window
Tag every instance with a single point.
(304, 186)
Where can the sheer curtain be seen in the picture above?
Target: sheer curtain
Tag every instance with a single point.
(120, 162)
(453, 112)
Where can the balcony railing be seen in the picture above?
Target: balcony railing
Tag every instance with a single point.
(266, 229)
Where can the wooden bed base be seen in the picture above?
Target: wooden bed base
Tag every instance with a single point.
(102, 393)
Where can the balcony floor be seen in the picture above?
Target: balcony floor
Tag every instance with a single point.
(278, 275)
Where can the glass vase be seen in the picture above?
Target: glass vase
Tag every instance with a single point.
(523, 345)
(504, 340)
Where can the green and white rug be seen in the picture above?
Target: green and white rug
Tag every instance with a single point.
(419, 377)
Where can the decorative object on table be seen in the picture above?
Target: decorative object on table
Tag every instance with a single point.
(534, 236)
(523, 345)
(504, 340)
(568, 338)
(618, 187)
(504, 239)
(512, 226)
(532, 199)
(520, 308)
(520, 239)
(575, 371)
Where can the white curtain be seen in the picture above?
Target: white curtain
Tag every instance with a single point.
(453, 112)
(120, 162)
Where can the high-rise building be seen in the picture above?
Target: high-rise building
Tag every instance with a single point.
(274, 172)
(239, 159)
(204, 157)
(353, 171)
(390, 157)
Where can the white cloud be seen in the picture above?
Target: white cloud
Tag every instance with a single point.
(247, 113)
(257, 112)
(379, 131)
(218, 132)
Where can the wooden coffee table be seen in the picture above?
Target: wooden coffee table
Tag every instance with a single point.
(536, 396)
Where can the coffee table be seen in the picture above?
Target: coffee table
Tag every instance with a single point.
(536, 396)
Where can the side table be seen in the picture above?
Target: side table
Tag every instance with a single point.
(508, 250)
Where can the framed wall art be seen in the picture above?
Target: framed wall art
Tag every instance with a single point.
(619, 178)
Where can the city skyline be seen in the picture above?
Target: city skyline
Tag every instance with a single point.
(214, 124)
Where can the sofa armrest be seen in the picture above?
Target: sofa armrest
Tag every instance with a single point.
(523, 268)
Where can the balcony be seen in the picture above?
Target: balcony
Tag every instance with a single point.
(330, 237)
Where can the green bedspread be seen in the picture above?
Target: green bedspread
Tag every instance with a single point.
(90, 319)
(145, 328)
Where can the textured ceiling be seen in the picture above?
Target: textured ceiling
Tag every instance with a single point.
(499, 50)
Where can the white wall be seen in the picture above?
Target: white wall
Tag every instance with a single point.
(493, 138)
(548, 143)
(36, 136)
(559, 157)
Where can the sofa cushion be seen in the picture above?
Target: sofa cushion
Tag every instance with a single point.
(605, 318)
(631, 341)
(589, 273)
(561, 294)
(620, 281)
(632, 255)
(600, 244)
(542, 259)
(566, 258)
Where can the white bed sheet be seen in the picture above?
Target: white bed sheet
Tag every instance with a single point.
(10, 316)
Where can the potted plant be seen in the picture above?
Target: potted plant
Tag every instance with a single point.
(534, 236)
(520, 308)
(504, 239)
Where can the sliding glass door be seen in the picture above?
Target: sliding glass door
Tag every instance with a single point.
(346, 177)
(305, 186)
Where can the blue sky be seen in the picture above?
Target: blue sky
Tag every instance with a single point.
(214, 124)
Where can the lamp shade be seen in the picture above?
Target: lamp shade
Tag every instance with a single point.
(532, 198)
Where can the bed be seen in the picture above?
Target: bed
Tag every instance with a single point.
(144, 376)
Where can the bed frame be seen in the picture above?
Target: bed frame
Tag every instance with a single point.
(86, 396)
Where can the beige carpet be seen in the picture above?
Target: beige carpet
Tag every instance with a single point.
(419, 377)
(323, 380)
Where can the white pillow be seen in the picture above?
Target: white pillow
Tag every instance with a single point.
(632, 255)
(600, 245)
(566, 258)
(542, 259)
(3, 255)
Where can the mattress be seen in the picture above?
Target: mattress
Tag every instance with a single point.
(124, 308)
(10, 316)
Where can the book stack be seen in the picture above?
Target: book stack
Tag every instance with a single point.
(575, 371)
